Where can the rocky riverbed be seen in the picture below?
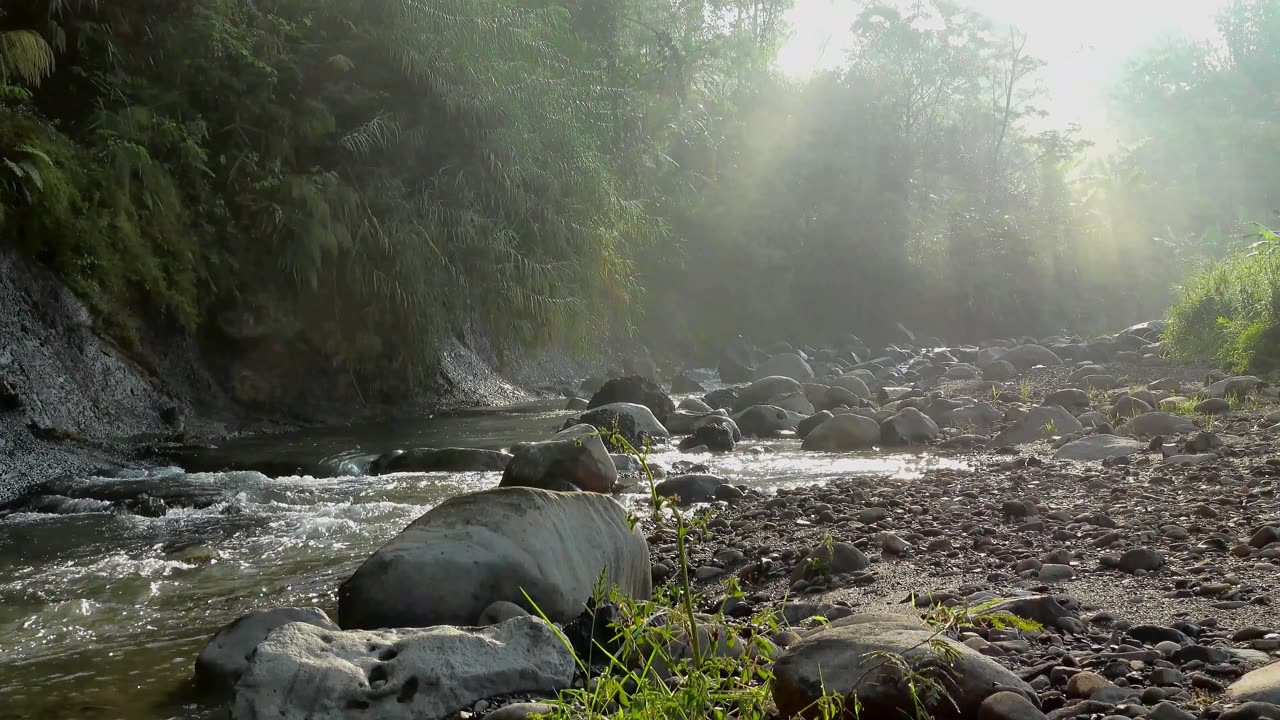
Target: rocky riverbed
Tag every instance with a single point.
(1092, 532)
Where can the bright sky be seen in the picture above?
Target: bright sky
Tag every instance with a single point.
(1082, 40)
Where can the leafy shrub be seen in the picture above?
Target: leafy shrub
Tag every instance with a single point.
(1229, 312)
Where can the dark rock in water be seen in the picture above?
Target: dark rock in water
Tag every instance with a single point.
(475, 549)
(637, 390)
(845, 658)
(715, 437)
(226, 656)
(303, 672)
(807, 425)
(147, 506)
(843, 433)
(723, 399)
(908, 426)
(685, 467)
(440, 460)
(763, 421)
(691, 488)
(738, 362)
(576, 460)
(684, 384)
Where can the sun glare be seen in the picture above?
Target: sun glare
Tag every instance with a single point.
(1082, 41)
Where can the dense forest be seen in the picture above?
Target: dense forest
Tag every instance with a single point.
(364, 178)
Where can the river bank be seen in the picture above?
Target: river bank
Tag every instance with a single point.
(107, 608)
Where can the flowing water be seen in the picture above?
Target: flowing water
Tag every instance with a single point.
(103, 613)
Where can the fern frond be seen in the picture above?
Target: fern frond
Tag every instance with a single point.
(25, 57)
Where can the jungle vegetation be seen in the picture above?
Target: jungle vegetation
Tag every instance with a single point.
(368, 178)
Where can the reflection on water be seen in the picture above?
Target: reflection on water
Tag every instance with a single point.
(102, 614)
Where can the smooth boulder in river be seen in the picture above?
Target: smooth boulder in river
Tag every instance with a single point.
(788, 365)
(475, 549)
(843, 433)
(226, 656)
(908, 426)
(638, 390)
(845, 658)
(302, 672)
(763, 421)
(634, 422)
(763, 390)
(575, 459)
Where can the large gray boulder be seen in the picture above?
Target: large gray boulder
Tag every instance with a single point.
(843, 433)
(855, 383)
(828, 397)
(441, 460)
(1234, 387)
(999, 371)
(1040, 423)
(763, 390)
(787, 365)
(907, 427)
(1157, 423)
(302, 672)
(794, 402)
(226, 656)
(763, 421)
(721, 420)
(575, 459)
(846, 658)
(1025, 357)
(978, 417)
(636, 422)
(1099, 447)
(500, 544)
(1261, 685)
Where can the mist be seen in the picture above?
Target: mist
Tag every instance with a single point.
(639, 359)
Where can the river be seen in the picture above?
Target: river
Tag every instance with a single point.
(102, 613)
